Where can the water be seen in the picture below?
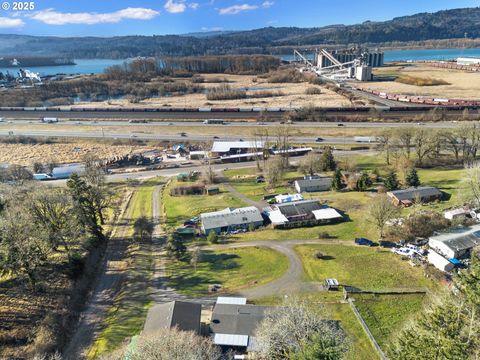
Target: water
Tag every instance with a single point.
(96, 66)
(83, 66)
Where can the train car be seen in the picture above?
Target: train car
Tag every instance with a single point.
(204, 109)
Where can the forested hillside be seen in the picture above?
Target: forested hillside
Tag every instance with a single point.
(448, 24)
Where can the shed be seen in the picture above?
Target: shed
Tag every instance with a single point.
(456, 242)
(408, 196)
(181, 314)
(456, 213)
(313, 184)
(281, 199)
(214, 190)
(439, 261)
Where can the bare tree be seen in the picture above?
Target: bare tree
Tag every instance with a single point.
(310, 164)
(275, 170)
(385, 140)
(405, 137)
(424, 144)
(471, 193)
(289, 331)
(380, 211)
(196, 257)
(283, 134)
(168, 344)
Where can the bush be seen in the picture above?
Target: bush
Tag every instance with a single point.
(212, 237)
(75, 266)
(225, 92)
(313, 91)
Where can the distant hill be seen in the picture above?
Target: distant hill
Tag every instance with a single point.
(448, 24)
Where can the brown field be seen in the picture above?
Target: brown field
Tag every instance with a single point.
(63, 152)
(461, 84)
(293, 95)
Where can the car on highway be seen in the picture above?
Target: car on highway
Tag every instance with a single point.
(133, 136)
(216, 137)
(183, 134)
(340, 124)
(1, 120)
(319, 139)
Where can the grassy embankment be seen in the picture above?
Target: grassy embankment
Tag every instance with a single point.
(126, 317)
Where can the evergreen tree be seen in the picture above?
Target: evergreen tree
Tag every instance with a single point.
(212, 237)
(337, 183)
(327, 161)
(363, 182)
(391, 182)
(412, 178)
(175, 247)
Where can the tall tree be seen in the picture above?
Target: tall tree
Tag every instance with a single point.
(327, 161)
(84, 198)
(391, 181)
(412, 179)
(337, 183)
(380, 211)
(310, 164)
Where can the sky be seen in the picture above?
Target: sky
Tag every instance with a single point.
(159, 17)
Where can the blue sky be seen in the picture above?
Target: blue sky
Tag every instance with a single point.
(147, 17)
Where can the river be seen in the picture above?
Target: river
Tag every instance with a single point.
(95, 66)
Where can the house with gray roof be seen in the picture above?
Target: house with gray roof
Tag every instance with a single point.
(456, 242)
(233, 325)
(409, 196)
(183, 315)
(313, 184)
(228, 220)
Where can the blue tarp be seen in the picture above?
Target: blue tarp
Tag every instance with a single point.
(455, 262)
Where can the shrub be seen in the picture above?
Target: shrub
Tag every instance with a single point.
(75, 266)
(212, 237)
(313, 90)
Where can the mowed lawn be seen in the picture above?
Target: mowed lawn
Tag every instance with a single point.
(362, 267)
(386, 315)
(234, 269)
(180, 208)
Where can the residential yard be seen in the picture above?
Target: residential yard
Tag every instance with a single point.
(234, 269)
(126, 317)
(180, 208)
(385, 315)
(362, 267)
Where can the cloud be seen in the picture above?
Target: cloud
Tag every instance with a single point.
(267, 4)
(52, 17)
(175, 7)
(10, 23)
(215, 28)
(236, 9)
(193, 6)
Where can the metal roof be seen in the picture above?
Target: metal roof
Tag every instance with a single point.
(237, 319)
(321, 181)
(231, 300)
(412, 193)
(231, 217)
(288, 198)
(460, 239)
(326, 214)
(226, 146)
(298, 208)
(230, 340)
(181, 314)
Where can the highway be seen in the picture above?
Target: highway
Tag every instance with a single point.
(192, 123)
(99, 134)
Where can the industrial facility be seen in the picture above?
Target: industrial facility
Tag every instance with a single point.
(339, 65)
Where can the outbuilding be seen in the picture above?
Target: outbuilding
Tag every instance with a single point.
(231, 219)
(456, 242)
(440, 262)
(182, 315)
(411, 195)
(313, 184)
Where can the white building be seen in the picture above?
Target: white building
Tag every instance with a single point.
(468, 61)
(456, 213)
(456, 242)
(439, 261)
(281, 199)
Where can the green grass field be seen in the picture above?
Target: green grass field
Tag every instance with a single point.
(362, 267)
(386, 315)
(181, 208)
(126, 317)
(234, 269)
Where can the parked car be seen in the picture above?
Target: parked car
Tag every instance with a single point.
(363, 242)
